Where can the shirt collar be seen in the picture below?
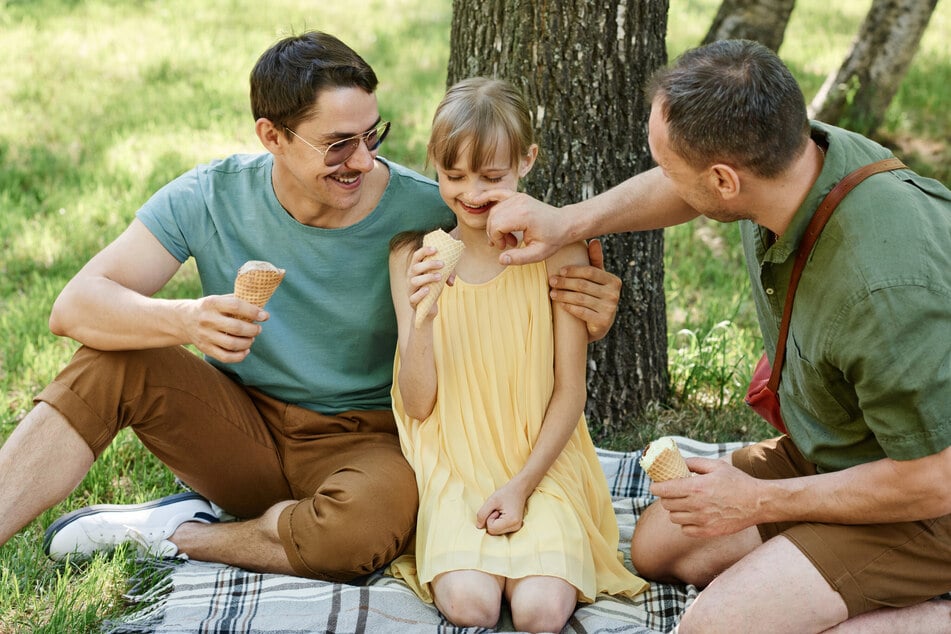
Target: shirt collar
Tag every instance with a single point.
(787, 244)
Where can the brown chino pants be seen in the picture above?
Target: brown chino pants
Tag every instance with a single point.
(356, 494)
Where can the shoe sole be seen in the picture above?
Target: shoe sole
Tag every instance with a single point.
(71, 517)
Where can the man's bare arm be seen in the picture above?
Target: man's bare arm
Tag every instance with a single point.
(109, 305)
(723, 500)
(645, 201)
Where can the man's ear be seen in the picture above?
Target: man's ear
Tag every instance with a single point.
(271, 138)
(528, 161)
(725, 180)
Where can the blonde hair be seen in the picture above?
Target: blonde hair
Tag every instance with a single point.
(484, 113)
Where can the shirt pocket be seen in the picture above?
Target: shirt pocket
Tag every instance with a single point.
(808, 389)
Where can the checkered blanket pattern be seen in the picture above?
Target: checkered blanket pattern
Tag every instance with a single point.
(196, 597)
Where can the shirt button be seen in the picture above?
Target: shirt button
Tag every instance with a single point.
(769, 291)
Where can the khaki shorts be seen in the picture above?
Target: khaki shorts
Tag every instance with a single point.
(356, 494)
(871, 566)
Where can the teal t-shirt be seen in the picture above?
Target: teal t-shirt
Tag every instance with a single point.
(329, 343)
(868, 359)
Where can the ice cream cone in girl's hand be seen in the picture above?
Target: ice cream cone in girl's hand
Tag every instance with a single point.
(256, 281)
(449, 250)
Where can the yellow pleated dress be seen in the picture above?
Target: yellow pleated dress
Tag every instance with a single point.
(494, 367)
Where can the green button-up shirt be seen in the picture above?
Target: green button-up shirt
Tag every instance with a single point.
(868, 358)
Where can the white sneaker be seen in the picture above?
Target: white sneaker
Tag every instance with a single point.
(147, 526)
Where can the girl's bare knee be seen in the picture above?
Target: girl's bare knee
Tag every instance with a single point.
(468, 598)
(543, 618)
(542, 604)
(471, 613)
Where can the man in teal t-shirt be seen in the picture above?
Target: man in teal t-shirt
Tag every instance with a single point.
(846, 520)
(286, 421)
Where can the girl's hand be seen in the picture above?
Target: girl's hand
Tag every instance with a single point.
(424, 277)
(503, 512)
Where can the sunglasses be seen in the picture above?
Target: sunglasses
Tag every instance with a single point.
(340, 151)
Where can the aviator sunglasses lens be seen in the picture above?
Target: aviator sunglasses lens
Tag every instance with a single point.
(342, 150)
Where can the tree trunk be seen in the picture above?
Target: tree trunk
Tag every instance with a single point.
(857, 96)
(582, 65)
(761, 20)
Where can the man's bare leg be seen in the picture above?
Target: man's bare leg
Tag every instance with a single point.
(41, 462)
(252, 545)
(749, 586)
(775, 588)
(772, 587)
(930, 616)
(660, 551)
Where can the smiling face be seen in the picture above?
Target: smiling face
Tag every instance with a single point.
(305, 185)
(460, 183)
(481, 139)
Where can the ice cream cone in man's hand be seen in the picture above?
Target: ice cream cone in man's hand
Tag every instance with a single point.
(662, 460)
(256, 281)
(449, 250)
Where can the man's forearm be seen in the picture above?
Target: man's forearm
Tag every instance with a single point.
(877, 492)
(104, 315)
(643, 202)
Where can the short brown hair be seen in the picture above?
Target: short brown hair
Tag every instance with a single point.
(732, 101)
(289, 76)
(483, 112)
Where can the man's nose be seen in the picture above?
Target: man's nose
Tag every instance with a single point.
(362, 158)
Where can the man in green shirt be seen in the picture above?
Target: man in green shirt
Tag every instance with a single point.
(846, 522)
(286, 422)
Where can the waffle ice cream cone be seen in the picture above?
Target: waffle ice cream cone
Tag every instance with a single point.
(449, 250)
(256, 281)
(662, 460)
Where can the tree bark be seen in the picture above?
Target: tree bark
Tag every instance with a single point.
(582, 65)
(761, 20)
(857, 95)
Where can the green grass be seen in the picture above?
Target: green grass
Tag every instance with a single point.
(102, 102)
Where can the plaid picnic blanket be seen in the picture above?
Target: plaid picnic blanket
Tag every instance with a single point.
(197, 597)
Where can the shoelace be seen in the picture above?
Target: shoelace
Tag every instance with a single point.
(148, 545)
(158, 545)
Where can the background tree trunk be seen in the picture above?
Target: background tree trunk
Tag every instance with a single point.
(582, 65)
(857, 96)
(761, 20)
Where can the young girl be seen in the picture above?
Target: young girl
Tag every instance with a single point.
(488, 395)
